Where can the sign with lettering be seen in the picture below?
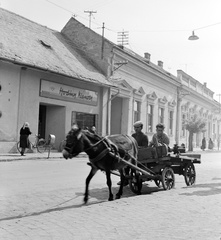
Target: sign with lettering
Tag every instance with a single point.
(68, 93)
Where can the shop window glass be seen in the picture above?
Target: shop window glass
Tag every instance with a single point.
(84, 120)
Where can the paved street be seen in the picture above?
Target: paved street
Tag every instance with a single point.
(42, 199)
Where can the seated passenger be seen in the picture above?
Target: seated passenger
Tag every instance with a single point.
(141, 138)
(142, 141)
(159, 138)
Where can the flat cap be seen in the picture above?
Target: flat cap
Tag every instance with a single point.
(138, 124)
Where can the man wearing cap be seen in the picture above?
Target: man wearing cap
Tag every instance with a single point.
(159, 137)
(141, 138)
(142, 141)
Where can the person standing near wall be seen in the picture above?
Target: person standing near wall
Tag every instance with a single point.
(24, 134)
(210, 146)
(203, 144)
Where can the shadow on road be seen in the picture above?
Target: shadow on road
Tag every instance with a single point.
(210, 189)
(96, 196)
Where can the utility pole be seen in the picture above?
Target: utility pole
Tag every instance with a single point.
(90, 14)
(102, 45)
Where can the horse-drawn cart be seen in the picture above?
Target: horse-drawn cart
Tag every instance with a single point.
(160, 166)
(119, 153)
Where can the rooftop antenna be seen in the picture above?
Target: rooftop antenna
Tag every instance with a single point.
(122, 38)
(90, 14)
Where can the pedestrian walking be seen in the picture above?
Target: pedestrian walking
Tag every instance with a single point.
(210, 144)
(203, 143)
(24, 137)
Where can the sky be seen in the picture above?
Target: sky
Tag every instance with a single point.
(159, 27)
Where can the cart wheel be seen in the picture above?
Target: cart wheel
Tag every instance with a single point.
(158, 183)
(135, 182)
(189, 174)
(168, 178)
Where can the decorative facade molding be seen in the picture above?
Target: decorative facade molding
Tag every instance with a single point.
(152, 96)
(172, 103)
(162, 100)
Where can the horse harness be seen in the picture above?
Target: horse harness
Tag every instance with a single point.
(109, 148)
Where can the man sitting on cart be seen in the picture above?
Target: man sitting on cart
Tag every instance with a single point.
(159, 138)
(142, 142)
(141, 138)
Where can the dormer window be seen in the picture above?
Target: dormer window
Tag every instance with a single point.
(45, 44)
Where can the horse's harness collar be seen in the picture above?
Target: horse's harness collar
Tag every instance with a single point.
(108, 148)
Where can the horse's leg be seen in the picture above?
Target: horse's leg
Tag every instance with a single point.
(109, 184)
(122, 179)
(88, 179)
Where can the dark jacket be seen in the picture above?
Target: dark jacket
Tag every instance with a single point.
(141, 138)
(24, 133)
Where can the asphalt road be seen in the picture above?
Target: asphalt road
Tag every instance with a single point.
(43, 199)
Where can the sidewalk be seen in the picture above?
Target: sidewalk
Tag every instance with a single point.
(7, 157)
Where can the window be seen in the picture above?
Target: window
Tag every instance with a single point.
(137, 107)
(161, 115)
(84, 120)
(170, 122)
(150, 118)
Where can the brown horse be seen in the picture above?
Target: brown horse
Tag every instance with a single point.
(104, 154)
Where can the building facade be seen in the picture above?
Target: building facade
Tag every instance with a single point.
(44, 81)
(146, 91)
(54, 79)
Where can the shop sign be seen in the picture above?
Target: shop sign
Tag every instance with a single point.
(67, 93)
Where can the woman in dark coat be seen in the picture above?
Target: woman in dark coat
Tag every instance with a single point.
(24, 141)
(210, 144)
(203, 144)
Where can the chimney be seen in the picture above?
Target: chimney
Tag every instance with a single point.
(147, 57)
(160, 64)
(204, 84)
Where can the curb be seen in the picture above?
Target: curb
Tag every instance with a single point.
(15, 157)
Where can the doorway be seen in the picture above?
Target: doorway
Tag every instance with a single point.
(42, 121)
(116, 115)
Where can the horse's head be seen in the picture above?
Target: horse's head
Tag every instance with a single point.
(74, 143)
(78, 141)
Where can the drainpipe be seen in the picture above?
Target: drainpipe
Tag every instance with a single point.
(19, 98)
(178, 117)
(108, 110)
(180, 95)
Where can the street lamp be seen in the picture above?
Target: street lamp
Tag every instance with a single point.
(195, 37)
